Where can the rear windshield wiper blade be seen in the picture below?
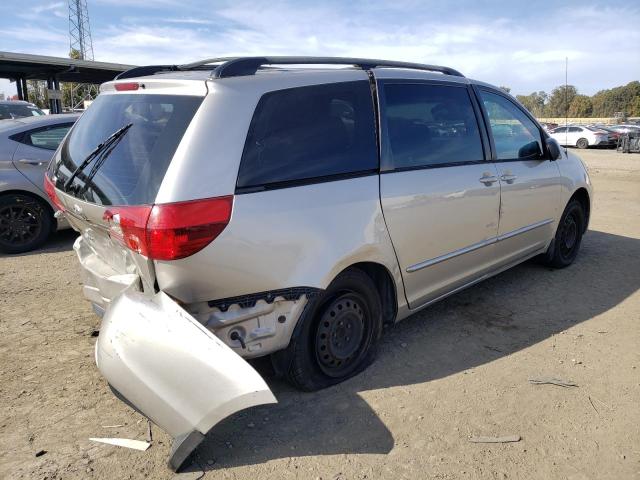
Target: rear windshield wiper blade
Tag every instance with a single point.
(94, 153)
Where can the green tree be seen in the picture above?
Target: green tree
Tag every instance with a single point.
(580, 106)
(559, 100)
(37, 92)
(534, 102)
(618, 99)
(634, 107)
(505, 89)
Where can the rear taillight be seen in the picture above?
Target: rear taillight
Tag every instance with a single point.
(170, 231)
(50, 190)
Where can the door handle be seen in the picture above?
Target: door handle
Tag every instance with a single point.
(507, 177)
(488, 180)
(31, 162)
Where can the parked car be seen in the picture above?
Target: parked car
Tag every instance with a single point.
(607, 128)
(582, 137)
(10, 109)
(26, 212)
(628, 128)
(229, 211)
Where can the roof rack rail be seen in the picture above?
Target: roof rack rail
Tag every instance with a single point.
(146, 70)
(243, 66)
(234, 67)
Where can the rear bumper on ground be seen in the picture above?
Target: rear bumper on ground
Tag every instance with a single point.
(173, 370)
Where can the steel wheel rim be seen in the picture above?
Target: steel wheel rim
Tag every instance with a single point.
(569, 237)
(20, 224)
(343, 335)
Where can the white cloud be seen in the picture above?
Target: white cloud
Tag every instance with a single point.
(525, 53)
(48, 6)
(35, 34)
(189, 21)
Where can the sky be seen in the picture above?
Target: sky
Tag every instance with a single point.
(519, 44)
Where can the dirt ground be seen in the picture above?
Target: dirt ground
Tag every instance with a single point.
(455, 370)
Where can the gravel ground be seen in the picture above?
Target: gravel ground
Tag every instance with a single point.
(455, 370)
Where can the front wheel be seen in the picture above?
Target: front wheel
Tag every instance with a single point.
(337, 335)
(565, 245)
(25, 223)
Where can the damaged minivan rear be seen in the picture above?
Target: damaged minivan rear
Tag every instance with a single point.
(106, 179)
(229, 210)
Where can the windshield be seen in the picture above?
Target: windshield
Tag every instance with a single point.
(134, 170)
(19, 110)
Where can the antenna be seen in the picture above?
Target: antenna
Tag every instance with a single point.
(80, 30)
(566, 103)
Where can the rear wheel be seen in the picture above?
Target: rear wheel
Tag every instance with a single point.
(565, 245)
(337, 335)
(582, 143)
(25, 223)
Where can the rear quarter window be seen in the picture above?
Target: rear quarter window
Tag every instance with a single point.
(306, 133)
(47, 138)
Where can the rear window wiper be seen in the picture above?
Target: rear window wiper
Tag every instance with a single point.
(102, 147)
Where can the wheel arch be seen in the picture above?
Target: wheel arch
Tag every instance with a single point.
(383, 280)
(582, 196)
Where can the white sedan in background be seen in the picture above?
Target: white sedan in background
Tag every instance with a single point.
(582, 137)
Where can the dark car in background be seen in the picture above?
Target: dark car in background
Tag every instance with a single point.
(10, 109)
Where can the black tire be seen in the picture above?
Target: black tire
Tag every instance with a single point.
(25, 222)
(565, 245)
(337, 335)
(582, 143)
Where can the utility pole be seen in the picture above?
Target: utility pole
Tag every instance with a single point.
(80, 48)
(80, 29)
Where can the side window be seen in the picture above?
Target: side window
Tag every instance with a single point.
(430, 125)
(49, 138)
(309, 132)
(575, 129)
(514, 134)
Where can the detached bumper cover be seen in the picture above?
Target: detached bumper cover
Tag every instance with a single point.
(173, 370)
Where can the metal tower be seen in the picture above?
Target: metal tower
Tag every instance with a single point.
(79, 29)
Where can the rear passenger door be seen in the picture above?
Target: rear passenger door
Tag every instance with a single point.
(530, 180)
(439, 194)
(36, 149)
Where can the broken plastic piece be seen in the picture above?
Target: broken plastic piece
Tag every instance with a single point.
(124, 442)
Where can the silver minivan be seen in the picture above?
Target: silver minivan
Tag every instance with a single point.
(290, 206)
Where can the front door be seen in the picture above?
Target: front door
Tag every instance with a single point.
(439, 195)
(530, 181)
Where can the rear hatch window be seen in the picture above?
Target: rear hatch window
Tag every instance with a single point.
(132, 172)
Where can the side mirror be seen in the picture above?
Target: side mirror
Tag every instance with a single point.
(554, 149)
(531, 150)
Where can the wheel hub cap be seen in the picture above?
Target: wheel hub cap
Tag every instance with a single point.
(340, 332)
(19, 224)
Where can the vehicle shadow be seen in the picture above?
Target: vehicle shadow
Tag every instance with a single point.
(500, 316)
(58, 242)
